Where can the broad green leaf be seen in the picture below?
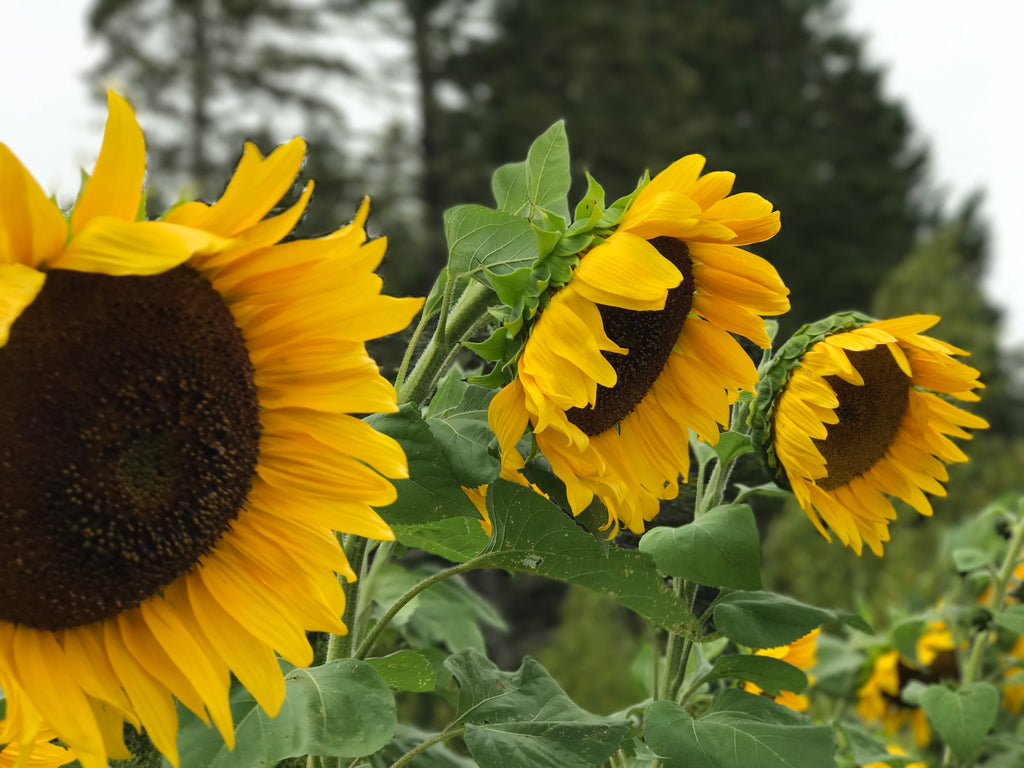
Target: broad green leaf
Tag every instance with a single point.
(523, 719)
(719, 549)
(432, 491)
(547, 171)
(534, 536)
(969, 559)
(771, 675)
(455, 538)
(732, 445)
(342, 709)
(482, 238)
(405, 671)
(464, 436)
(449, 613)
(738, 731)
(510, 190)
(768, 620)
(961, 717)
(1011, 618)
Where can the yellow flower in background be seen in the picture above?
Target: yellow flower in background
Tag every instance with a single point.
(636, 349)
(895, 751)
(42, 754)
(935, 645)
(176, 449)
(859, 414)
(878, 700)
(802, 655)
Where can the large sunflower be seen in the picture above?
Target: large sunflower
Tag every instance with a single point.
(175, 449)
(849, 413)
(635, 350)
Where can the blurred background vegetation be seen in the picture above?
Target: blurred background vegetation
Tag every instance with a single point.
(777, 91)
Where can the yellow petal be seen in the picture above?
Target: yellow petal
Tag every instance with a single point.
(115, 187)
(19, 286)
(32, 228)
(111, 246)
(256, 187)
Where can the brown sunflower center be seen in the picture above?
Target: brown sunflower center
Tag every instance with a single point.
(869, 416)
(649, 337)
(129, 434)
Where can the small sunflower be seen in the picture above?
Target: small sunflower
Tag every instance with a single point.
(802, 654)
(635, 350)
(176, 449)
(851, 411)
(878, 700)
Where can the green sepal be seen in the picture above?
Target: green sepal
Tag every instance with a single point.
(775, 377)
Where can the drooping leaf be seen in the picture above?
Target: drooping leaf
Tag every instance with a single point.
(534, 536)
(963, 716)
(464, 436)
(767, 620)
(432, 491)
(523, 719)
(738, 731)
(341, 709)
(719, 549)
(449, 613)
(770, 675)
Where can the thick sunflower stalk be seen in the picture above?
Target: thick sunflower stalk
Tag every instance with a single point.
(191, 495)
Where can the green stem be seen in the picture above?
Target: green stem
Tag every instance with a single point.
(340, 646)
(465, 316)
(435, 739)
(1002, 581)
(367, 643)
(381, 558)
(411, 349)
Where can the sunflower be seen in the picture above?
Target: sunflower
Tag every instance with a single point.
(635, 350)
(850, 412)
(175, 445)
(801, 654)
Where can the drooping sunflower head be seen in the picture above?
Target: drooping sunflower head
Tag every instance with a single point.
(176, 444)
(852, 411)
(635, 350)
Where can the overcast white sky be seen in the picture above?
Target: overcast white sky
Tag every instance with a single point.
(957, 64)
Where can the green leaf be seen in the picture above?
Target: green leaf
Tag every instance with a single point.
(771, 675)
(432, 491)
(482, 238)
(590, 209)
(455, 538)
(342, 709)
(866, 749)
(523, 719)
(719, 549)
(768, 620)
(961, 717)
(534, 536)
(1011, 618)
(547, 171)
(464, 436)
(510, 188)
(405, 671)
(905, 635)
(449, 613)
(967, 559)
(732, 445)
(738, 731)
